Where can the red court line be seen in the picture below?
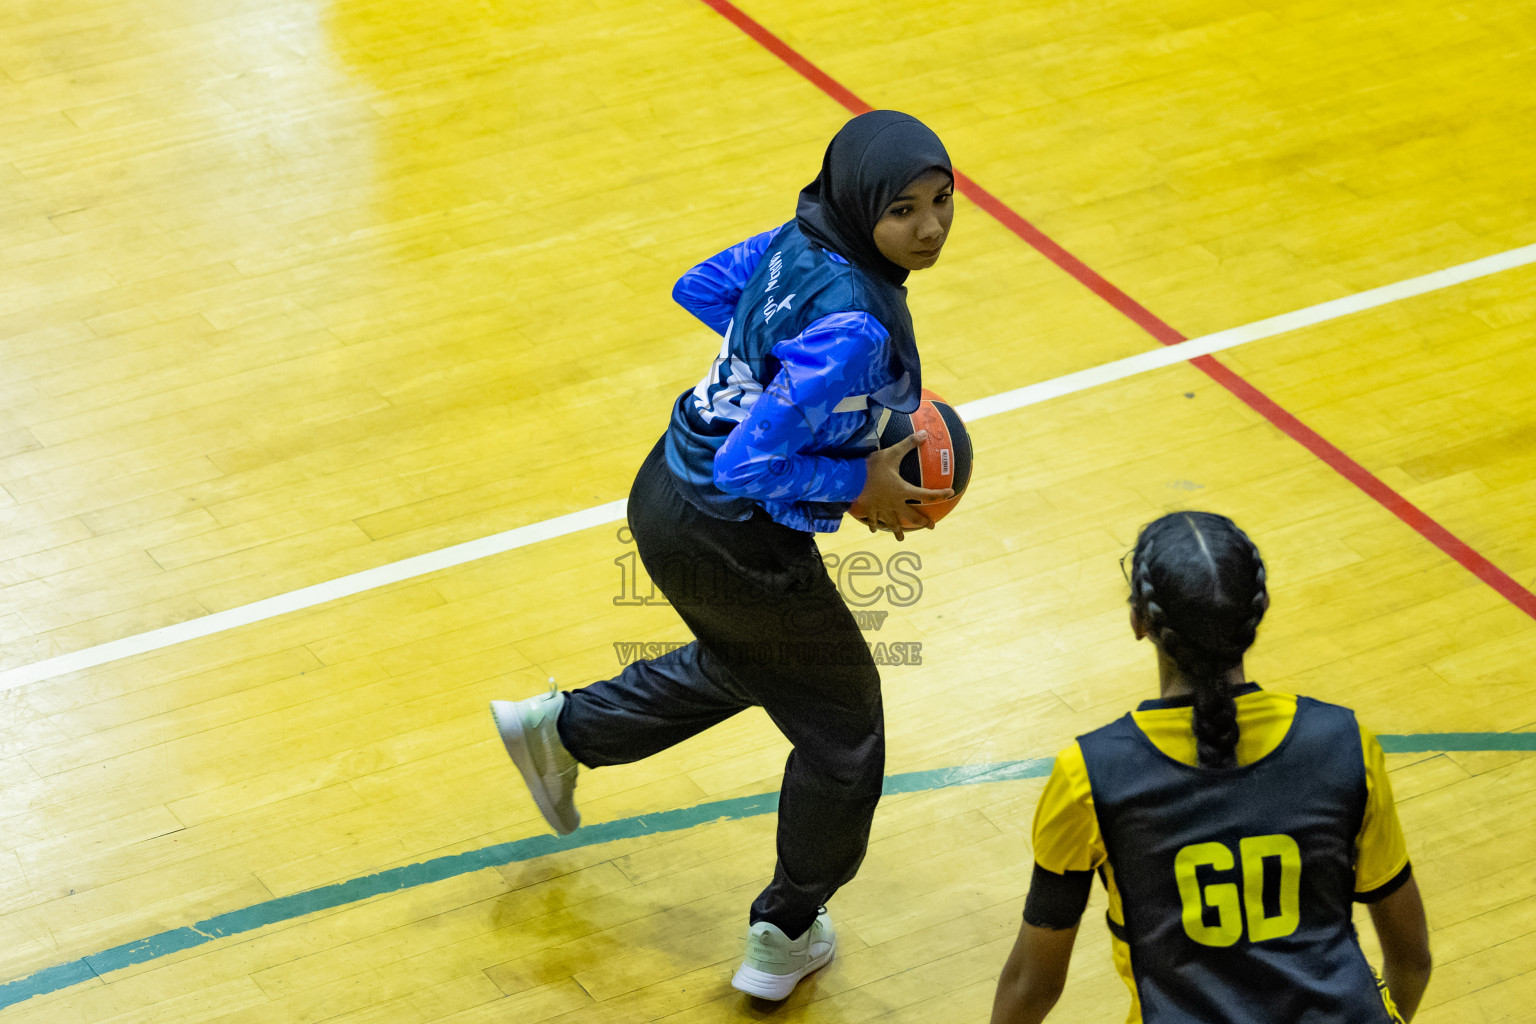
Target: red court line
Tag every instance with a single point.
(1144, 318)
(1084, 274)
(1368, 482)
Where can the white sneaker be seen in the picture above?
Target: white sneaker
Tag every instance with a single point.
(529, 733)
(775, 963)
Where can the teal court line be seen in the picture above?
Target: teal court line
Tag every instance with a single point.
(288, 908)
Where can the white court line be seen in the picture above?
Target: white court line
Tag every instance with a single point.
(1195, 347)
(308, 597)
(613, 511)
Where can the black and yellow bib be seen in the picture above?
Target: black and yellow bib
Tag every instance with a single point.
(1236, 885)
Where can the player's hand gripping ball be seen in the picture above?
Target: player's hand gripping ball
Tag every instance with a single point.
(942, 461)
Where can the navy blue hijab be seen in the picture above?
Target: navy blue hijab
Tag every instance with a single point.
(867, 164)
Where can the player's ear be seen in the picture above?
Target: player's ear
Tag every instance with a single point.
(1137, 626)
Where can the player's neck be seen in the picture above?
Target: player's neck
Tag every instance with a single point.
(1173, 683)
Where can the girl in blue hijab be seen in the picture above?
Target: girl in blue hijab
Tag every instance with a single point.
(768, 449)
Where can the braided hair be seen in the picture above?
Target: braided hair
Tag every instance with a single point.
(1197, 583)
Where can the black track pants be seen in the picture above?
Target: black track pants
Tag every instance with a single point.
(770, 629)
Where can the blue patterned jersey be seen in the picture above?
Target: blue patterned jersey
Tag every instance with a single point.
(785, 415)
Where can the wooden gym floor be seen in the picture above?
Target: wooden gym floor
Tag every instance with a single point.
(292, 290)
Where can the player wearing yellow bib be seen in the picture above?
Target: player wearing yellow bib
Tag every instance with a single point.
(1233, 828)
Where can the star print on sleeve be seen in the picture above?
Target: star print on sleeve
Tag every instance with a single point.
(773, 455)
(711, 290)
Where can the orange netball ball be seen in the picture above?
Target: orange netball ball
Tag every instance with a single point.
(944, 460)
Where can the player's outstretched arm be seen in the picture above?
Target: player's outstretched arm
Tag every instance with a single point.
(1404, 935)
(1034, 975)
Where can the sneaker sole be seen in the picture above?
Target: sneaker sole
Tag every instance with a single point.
(509, 725)
(777, 986)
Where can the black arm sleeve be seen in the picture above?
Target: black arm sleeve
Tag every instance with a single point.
(1381, 892)
(1057, 901)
